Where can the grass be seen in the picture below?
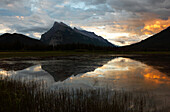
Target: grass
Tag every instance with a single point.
(66, 53)
(16, 96)
(34, 54)
(44, 53)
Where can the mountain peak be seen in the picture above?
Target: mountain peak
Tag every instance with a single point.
(61, 24)
(55, 23)
(61, 33)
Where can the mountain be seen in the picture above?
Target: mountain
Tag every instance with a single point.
(18, 42)
(157, 42)
(61, 34)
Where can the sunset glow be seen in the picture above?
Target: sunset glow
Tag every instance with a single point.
(155, 26)
(115, 20)
(156, 76)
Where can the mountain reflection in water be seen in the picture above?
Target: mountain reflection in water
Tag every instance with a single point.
(121, 73)
(116, 74)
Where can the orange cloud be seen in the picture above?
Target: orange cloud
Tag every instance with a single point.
(155, 76)
(155, 26)
(20, 17)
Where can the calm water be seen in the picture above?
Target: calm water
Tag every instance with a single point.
(112, 72)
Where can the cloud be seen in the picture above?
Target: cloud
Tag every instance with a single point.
(137, 18)
(38, 22)
(15, 7)
(127, 40)
(138, 11)
(155, 26)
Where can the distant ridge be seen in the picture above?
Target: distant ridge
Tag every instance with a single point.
(19, 41)
(61, 34)
(157, 42)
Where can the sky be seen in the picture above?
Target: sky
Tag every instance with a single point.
(122, 22)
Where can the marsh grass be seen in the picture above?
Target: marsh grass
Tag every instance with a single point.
(16, 96)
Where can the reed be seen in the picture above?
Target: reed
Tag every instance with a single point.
(17, 96)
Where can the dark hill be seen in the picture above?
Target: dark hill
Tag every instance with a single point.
(157, 42)
(19, 42)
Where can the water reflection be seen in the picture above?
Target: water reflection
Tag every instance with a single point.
(34, 73)
(159, 62)
(121, 73)
(63, 69)
(116, 74)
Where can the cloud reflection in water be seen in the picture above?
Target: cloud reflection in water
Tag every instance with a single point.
(116, 74)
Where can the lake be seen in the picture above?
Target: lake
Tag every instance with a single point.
(137, 73)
